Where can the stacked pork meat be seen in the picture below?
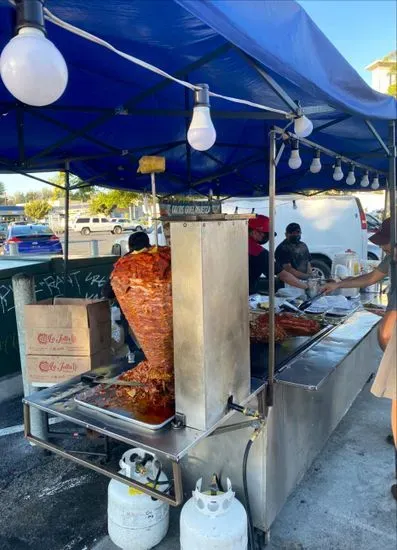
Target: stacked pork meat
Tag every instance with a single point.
(142, 285)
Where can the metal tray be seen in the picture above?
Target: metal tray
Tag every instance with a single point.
(95, 399)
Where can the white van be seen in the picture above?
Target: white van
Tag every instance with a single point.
(330, 225)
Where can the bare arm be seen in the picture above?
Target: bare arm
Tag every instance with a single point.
(386, 328)
(290, 279)
(295, 272)
(361, 281)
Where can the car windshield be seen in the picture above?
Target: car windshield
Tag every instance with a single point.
(26, 230)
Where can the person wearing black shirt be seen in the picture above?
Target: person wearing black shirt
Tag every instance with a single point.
(293, 254)
(258, 257)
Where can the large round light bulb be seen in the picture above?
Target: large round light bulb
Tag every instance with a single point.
(364, 180)
(303, 126)
(201, 134)
(315, 166)
(375, 183)
(294, 160)
(351, 178)
(33, 69)
(338, 173)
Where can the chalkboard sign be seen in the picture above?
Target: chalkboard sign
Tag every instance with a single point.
(85, 280)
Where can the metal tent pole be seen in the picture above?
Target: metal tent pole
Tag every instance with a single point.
(392, 198)
(272, 198)
(66, 243)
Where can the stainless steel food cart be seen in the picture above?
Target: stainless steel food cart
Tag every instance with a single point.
(313, 385)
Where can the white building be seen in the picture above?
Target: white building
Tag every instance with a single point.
(383, 72)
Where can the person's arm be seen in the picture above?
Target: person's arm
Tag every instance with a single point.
(362, 281)
(291, 280)
(387, 327)
(296, 273)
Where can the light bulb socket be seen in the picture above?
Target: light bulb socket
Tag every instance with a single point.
(338, 163)
(294, 145)
(201, 95)
(30, 13)
(317, 154)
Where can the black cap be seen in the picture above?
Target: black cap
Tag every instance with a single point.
(293, 227)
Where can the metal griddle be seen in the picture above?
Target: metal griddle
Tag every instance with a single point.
(285, 352)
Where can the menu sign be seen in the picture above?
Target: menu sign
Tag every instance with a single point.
(189, 208)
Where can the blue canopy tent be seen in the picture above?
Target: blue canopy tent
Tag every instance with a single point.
(266, 51)
(114, 111)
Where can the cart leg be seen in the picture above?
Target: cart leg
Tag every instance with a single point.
(262, 538)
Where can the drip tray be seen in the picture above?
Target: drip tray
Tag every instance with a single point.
(105, 401)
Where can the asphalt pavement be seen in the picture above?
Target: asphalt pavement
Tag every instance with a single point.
(79, 245)
(343, 503)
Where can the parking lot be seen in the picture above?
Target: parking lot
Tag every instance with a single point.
(80, 245)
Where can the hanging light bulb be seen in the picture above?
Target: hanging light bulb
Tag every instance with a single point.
(315, 166)
(351, 178)
(201, 134)
(294, 160)
(31, 67)
(375, 183)
(365, 179)
(338, 172)
(303, 126)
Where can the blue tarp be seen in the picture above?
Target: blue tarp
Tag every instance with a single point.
(180, 36)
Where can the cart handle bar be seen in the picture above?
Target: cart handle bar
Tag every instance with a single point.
(176, 468)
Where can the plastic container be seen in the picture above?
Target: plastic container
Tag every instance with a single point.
(346, 265)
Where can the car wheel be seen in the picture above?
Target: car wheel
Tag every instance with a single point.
(138, 228)
(320, 269)
(117, 230)
(85, 231)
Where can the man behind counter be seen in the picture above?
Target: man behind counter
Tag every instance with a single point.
(258, 257)
(293, 254)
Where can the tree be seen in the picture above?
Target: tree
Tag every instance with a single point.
(106, 202)
(37, 209)
(19, 197)
(32, 196)
(82, 195)
(2, 193)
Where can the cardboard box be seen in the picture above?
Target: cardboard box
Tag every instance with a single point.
(48, 369)
(68, 327)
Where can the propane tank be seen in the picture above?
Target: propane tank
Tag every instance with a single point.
(137, 521)
(213, 520)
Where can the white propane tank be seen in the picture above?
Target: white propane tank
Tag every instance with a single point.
(213, 522)
(136, 521)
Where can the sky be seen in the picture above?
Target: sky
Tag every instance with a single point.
(362, 30)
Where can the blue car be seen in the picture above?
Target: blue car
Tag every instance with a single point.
(33, 239)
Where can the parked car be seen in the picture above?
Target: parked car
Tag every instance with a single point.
(33, 239)
(330, 225)
(3, 232)
(373, 224)
(126, 224)
(85, 226)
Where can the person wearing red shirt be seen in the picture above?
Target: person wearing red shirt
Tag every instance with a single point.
(258, 257)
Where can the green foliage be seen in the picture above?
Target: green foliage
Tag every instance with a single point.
(105, 203)
(37, 209)
(392, 90)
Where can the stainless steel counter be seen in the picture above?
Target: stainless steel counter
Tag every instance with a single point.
(312, 368)
(309, 370)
